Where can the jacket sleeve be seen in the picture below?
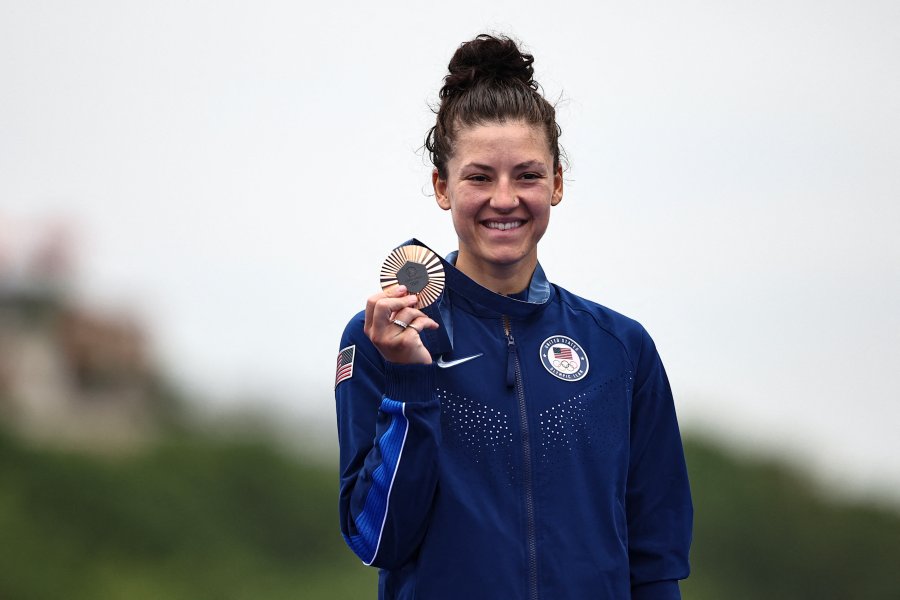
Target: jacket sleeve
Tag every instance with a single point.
(388, 421)
(658, 497)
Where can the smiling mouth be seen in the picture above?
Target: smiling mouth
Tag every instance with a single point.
(503, 225)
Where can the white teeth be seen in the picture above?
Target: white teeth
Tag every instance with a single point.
(503, 226)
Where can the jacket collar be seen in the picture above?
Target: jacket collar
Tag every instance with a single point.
(537, 295)
(463, 292)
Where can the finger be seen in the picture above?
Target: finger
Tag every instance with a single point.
(396, 291)
(420, 324)
(370, 310)
(400, 323)
(386, 309)
(408, 314)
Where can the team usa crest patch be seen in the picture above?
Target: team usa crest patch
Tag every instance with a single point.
(345, 364)
(564, 358)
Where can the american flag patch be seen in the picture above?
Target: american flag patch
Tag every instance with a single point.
(345, 364)
(563, 353)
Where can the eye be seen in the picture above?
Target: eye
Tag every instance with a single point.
(532, 176)
(477, 178)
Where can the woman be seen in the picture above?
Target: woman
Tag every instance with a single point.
(512, 440)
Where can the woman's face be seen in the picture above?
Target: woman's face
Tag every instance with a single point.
(499, 189)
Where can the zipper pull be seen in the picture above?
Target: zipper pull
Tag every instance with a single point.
(510, 360)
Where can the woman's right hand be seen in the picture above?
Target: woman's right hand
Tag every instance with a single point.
(396, 343)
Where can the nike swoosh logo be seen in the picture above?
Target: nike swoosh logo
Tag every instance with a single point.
(452, 363)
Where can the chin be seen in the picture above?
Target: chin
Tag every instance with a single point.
(506, 258)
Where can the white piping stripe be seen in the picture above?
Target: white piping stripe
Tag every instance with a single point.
(387, 501)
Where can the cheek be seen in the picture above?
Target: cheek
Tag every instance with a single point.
(462, 219)
(540, 212)
(463, 208)
(540, 223)
(540, 226)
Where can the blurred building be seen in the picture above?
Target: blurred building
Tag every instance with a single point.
(69, 376)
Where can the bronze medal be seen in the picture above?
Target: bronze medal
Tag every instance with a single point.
(416, 267)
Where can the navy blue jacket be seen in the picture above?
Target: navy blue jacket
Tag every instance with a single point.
(548, 466)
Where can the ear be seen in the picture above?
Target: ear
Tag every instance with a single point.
(440, 190)
(557, 196)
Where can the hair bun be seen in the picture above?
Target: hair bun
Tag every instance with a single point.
(488, 58)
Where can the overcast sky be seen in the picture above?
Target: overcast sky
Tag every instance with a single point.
(236, 172)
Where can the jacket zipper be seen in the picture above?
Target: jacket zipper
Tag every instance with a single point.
(514, 378)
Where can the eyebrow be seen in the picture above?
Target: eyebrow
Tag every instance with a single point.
(531, 164)
(528, 164)
(478, 166)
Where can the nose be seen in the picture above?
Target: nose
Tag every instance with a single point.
(504, 197)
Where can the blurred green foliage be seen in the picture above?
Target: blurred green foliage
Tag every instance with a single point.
(201, 517)
(762, 530)
(194, 518)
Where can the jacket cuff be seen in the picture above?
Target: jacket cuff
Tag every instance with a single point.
(408, 383)
(657, 590)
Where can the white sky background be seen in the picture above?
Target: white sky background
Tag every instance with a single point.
(238, 171)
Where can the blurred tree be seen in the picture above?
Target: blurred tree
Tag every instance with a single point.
(763, 531)
(200, 517)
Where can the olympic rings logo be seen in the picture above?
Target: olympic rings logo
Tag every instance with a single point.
(565, 365)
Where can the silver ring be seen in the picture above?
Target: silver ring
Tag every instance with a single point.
(416, 329)
(402, 324)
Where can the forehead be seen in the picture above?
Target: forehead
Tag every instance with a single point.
(524, 140)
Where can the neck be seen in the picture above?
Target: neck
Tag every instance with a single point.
(504, 279)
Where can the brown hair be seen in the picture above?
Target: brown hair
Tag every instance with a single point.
(490, 80)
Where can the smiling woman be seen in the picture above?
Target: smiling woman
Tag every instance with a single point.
(511, 440)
